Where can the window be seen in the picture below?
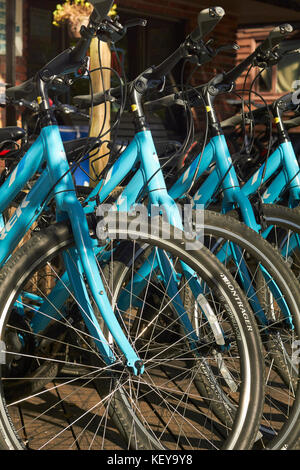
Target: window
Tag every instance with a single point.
(19, 27)
(143, 47)
(44, 38)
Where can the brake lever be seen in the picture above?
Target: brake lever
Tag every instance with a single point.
(206, 52)
(110, 30)
(113, 31)
(67, 109)
(200, 53)
(227, 47)
(267, 59)
(291, 52)
(135, 22)
(32, 105)
(273, 57)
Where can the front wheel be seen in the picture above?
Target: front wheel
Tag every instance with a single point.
(87, 404)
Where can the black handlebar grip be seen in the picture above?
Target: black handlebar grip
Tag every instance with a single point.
(101, 10)
(291, 123)
(275, 37)
(259, 115)
(86, 101)
(163, 102)
(232, 121)
(207, 21)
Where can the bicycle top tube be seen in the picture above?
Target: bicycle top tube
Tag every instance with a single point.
(283, 158)
(223, 176)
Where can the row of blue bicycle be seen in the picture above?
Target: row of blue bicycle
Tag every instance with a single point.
(123, 331)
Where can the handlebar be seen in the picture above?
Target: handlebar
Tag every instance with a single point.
(207, 21)
(165, 101)
(113, 31)
(27, 90)
(273, 39)
(74, 58)
(236, 120)
(71, 59)
(282, 104)
(257, 114)
(225, 80)
(291, 123)
(232, 121)
(167, 65)
(66, 62)
(85, 101)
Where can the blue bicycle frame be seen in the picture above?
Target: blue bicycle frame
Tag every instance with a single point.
(284, 161)
(57, 181)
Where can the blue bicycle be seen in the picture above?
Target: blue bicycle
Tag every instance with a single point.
(278, 181)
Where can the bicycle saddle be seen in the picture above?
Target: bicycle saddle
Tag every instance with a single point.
(26, 90)
(11, 133)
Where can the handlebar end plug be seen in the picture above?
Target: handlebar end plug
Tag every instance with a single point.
(216, 11)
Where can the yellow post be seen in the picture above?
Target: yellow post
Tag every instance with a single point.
(99, 112)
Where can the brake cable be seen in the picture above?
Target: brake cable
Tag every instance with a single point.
(270, 132)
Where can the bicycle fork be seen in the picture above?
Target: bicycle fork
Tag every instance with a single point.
(83, 260)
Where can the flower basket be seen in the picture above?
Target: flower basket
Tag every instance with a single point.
(75, 26)
(75, 13)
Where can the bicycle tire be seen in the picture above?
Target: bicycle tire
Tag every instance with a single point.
(220, 226)
(229, 225)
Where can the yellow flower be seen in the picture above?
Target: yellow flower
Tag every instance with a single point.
(70, 10)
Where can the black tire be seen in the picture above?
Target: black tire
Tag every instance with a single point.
(285, 222)
(229, 228)
(45, 246)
